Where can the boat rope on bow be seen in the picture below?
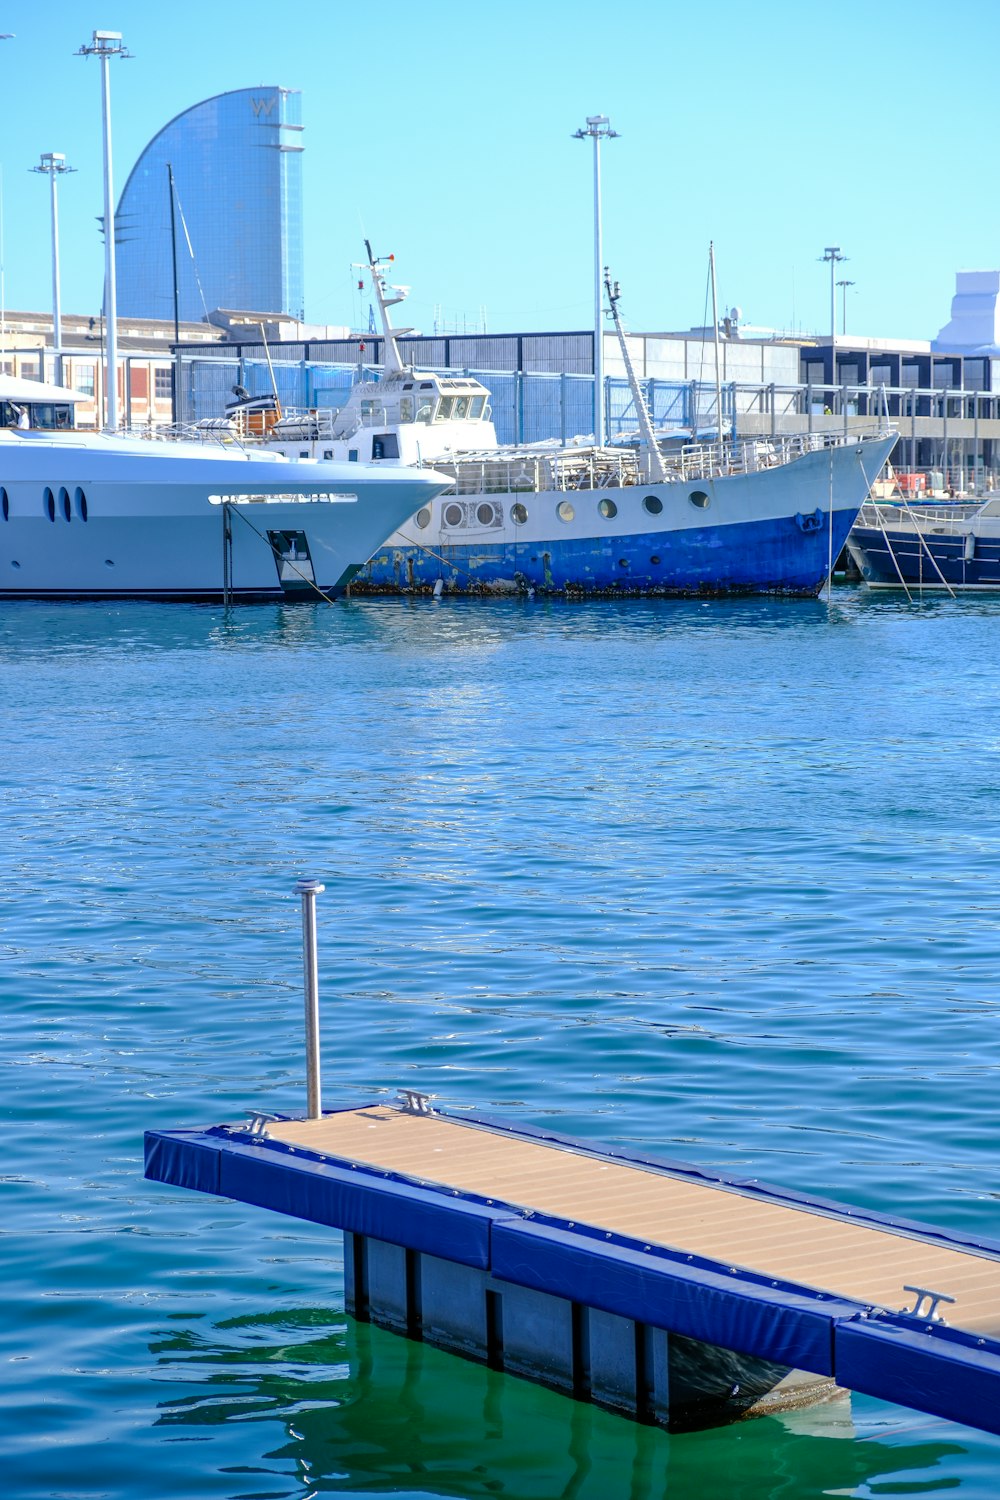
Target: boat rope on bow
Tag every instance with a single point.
(286, 561)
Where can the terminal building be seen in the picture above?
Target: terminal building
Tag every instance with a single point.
(942, 394)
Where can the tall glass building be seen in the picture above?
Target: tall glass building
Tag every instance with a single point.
(237, 170)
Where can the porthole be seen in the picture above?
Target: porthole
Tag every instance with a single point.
(623, 562)
(699, 498)
(14, 563)
(423, 517)
(484, 515)
(608, 509)
(518, 513)
(5, 505)
(67, 509)
(565, 511)
(653, 504)
(81, 503)
(453, 515)
(327, 452)
(655, 561)
(49, 501)
(109, 562)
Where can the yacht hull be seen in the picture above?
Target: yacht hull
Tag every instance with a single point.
(127, 519)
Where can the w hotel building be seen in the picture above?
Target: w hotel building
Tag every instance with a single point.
(237, 223)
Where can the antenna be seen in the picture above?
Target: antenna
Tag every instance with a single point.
(392, 361)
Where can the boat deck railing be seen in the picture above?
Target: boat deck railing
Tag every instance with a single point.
(949, 518)
(506, 471)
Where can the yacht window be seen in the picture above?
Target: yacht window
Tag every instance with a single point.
(485, 514)
(461, 408)
(453, 515)
(64, 502)
(327, 452)
(608, 509)
(425, 411)
(352, 455)
(565, 511)
(653, 504)
(518, 513)
(423, 517)
(406, 408)
(368, 408)
(50, 504)
(385, 445)
(444, 408)
(476, 408)
(699, 498)
(5, 505)
(408, 387)
(427, 385)
(81, 503)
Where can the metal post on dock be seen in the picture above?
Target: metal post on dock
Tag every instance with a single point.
(309, 890)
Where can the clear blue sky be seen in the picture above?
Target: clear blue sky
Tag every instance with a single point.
(444, 132)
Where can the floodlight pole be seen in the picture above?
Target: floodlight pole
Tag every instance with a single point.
(598, 129)
(53, 164)
(833, 255)
(105, 45)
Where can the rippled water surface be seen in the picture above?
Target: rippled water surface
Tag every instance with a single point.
(717, 879)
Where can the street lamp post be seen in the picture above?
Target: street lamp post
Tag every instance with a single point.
(53, 164)
(833, 255)
(843, 304)
(598, 129)
(105, 45)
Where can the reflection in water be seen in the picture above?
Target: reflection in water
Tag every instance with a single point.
(402, 1418)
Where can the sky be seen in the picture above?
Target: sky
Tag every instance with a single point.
(444, 132)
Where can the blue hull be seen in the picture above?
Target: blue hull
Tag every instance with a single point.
(934, 563)
(775, 556)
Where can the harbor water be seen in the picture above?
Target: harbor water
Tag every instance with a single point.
(714, 879)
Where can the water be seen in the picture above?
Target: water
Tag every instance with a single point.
(717, 879)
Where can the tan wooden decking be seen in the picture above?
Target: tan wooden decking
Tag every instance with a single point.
(788, 1242)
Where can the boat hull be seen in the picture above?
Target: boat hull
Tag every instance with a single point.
(768, 532)
(107, 519)
(963, 555)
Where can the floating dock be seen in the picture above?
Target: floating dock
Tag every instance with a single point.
(674, 1295)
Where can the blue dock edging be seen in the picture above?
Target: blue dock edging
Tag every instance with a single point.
(432, 1230)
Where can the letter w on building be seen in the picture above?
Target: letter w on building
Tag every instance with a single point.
(262, 106)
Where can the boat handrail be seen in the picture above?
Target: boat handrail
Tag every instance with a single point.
(504, 471)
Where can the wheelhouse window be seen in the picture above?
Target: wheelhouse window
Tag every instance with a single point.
(444, 409)
(476, 408)
(425, 411)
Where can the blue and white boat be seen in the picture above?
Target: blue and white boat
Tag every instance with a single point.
(950, 546)
(721, 517)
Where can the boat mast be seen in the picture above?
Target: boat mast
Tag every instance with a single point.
(392, 363)
(718, 358)
(657, 468)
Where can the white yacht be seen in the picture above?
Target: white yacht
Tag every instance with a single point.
(92, 515)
